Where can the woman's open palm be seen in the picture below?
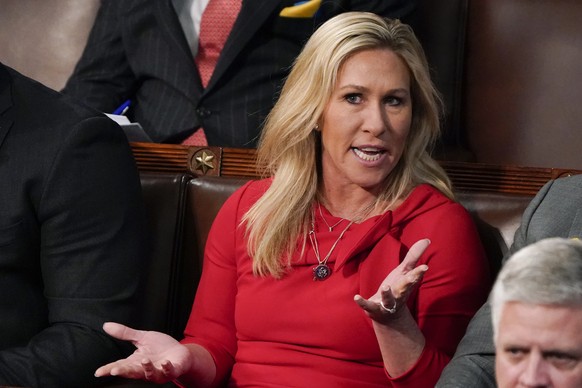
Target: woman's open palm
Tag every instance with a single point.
(158, 358)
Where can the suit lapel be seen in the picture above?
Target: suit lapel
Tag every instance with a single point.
(172, 30)
(252, 16)
(5, 103)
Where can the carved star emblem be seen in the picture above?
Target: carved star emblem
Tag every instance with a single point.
(204, 162)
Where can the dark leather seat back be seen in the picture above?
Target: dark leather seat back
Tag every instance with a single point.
(523, 82)
(497, 217)
(206, 195)
(165, 200)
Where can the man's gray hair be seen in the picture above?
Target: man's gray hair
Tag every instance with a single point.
(547, 272)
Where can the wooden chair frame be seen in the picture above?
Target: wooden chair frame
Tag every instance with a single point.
(241, 162)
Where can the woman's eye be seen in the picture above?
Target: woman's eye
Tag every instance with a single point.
(393, 101)
(354, 98)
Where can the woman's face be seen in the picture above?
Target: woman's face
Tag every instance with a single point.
(366, 122)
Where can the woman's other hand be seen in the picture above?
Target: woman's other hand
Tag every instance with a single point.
(393, 293)
(399, 337)
(158, 358)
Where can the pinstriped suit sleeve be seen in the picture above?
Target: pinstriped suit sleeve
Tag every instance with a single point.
(104, 79)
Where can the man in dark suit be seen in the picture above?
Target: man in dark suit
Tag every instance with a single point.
(556, 211)
(71, 236)
(137, 50)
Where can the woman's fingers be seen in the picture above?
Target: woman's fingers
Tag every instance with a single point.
(145, 369)
(168, 370)
(122, 332)
(388, 301)
(394, 290)
(414, 253)
(158, 374)
(404, 284)
(416, 274)
(121, 368)
(364, 303)
(378, 310)
(104, 370)
(148, 369)
(391, 298)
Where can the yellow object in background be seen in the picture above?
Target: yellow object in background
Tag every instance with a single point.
(303, 10)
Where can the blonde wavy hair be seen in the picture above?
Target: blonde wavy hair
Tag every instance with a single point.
(289, 149)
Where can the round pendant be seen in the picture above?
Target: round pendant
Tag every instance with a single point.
(321, 272)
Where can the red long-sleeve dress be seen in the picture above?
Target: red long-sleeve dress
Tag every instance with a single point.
(297, 332)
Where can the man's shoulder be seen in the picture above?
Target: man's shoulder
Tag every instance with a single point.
(559, 196)
(570, 183)
(40, 107)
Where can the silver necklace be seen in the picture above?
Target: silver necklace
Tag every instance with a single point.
(322, 270)
(326, 224)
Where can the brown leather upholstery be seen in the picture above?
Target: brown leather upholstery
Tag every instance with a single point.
(205, 198)
(497, 217)
(523, 82)
(165, 202)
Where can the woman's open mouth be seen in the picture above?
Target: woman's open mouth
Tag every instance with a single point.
(369, 154)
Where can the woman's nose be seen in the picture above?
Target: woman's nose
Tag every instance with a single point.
(375, 120)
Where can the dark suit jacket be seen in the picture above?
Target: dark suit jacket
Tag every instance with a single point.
(71, 222)
(137, 50)
(556, 211)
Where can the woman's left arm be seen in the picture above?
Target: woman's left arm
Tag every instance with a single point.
(401, 340)
(419, 339)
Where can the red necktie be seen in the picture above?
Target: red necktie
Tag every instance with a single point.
(217, 21)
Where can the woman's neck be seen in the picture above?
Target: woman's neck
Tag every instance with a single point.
(350, 206)
(355, 205)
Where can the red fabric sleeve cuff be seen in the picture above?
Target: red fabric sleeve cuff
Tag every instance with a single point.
(223, 360)
(425, 372)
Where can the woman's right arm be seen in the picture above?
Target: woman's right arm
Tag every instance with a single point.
(205, 356)
(159, 358)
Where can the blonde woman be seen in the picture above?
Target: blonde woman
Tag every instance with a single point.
(351, 265)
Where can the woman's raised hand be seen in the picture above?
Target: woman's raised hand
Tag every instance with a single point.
(158, 358)
(394, 290)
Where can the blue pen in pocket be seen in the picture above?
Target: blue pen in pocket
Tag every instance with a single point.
(122, 108)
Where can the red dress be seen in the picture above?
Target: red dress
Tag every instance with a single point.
(297, 332)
